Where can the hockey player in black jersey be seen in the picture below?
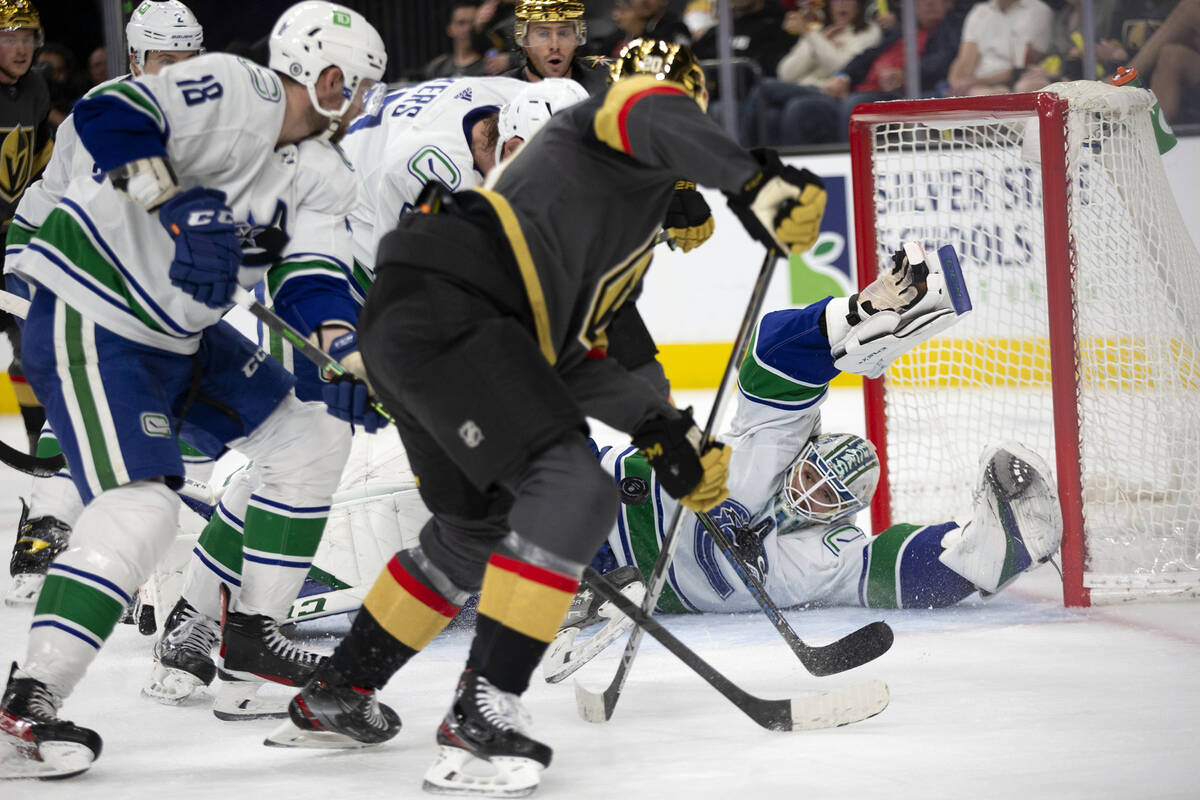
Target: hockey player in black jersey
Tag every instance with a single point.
(484, 336)
(548, 33)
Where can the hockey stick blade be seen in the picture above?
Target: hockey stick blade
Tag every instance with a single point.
(814, 711)
(36, 466)
(853, 650)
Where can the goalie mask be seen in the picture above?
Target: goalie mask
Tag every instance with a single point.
(166, 26)
(833, 477)
(314, 35)
(666, 61)
(526, 113)
(528, 11)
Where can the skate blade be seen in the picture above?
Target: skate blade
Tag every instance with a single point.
(238, 701)
(172, 687)
(58, 760)
(24, 590)
(288, 735)
(457, 772)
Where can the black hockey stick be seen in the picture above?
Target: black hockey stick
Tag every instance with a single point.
(853, 650)
(297, 340)
(33, 465)
(658, 577)
(806, 712)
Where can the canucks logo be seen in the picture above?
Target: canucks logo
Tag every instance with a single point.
(736, 522)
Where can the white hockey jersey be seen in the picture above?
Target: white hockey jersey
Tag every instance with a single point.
(221, 117)
(780, 388)
(408, 137)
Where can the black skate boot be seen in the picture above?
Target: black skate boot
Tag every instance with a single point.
(568, 652)
(39, 541)
(329, 712)
(484, 747)
(253, 648)
(46, 747)
(183, 655)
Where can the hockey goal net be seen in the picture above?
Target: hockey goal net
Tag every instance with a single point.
(1084, 339)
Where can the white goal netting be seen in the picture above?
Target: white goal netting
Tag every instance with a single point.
(1131, 312)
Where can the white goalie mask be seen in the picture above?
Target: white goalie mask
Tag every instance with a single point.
(314, 35)
(167, 26)
(526, 113)
(833, 477)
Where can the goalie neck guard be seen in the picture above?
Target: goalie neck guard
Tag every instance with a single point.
(665, 61)
(833, 477)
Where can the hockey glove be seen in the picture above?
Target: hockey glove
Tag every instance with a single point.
(207, 250)
(688, 470)
(781, 206)
(689, 220)
(348, 396)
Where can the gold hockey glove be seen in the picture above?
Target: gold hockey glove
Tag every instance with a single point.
(689, 220)
(780, 206)
(692, 471)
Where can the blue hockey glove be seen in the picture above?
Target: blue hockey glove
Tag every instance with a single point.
(207, 250)
(348, 396)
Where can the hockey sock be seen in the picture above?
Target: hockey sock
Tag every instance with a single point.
(521, 606)
(401, 614)
(902, 570)
(278, 545)
(35, 417)
(216, 559)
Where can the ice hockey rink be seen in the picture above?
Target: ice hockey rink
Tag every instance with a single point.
(1016, 697)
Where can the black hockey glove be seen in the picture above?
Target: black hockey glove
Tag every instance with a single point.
(780, 206)
(690, 471)
(689, 219)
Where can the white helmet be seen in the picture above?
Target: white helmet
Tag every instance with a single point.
(314, 35)
(166, 25)
(532, 108)
(833, 477)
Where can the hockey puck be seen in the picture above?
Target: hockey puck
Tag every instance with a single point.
(634, 491)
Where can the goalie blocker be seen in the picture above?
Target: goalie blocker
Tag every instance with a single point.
(920, 296)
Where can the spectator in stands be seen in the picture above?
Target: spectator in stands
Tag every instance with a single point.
(1064, 60)
(492, 35)
(878, 74)
(661, 22)
(700, 16)
(98, 66)
(630, 25)
(758, 35)
(823, 49)
(999, 39)
(1171, 60)
(463, 58)
(57, 64)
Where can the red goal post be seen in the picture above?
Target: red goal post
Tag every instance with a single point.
(1082, 343)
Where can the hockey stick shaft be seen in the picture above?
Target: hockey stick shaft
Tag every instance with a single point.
(825, 710)
(853, 650)
(37, 466)
(658, 577)
(297, 340)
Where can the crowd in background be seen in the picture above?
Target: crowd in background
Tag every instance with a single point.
(802, 65)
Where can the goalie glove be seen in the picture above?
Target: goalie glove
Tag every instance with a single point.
(693, 472)
(781, 206)
(917, 298)
(689, 220)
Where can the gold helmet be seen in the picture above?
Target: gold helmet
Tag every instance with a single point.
(528, 11)
(18, 14)
(666, 61)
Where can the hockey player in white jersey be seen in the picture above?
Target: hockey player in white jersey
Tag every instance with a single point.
(159, 34)
(208, 178)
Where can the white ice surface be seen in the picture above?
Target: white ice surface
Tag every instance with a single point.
(1013, 698)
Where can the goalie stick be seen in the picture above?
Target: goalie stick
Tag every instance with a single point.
(853, 650)
(814, 711)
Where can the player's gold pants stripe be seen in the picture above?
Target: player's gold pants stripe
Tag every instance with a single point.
(24, 393)
(406, 608)
(529, 599)
(529, 276)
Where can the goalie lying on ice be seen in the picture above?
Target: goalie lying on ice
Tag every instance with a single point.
(794, 492)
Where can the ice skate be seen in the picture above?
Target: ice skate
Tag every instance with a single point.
(330, 713)
(39, 540)
(1017, 522)
(484, 749)
(588, 609)
(183, 655)
(34, 742)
